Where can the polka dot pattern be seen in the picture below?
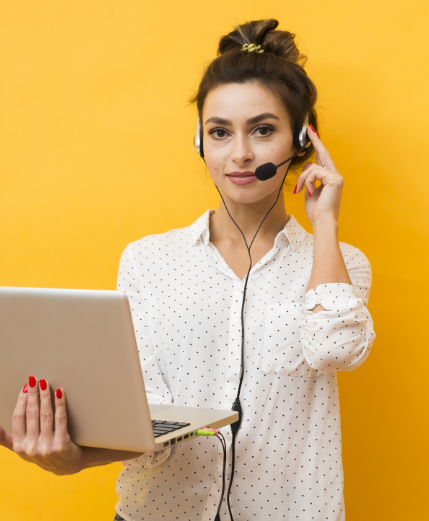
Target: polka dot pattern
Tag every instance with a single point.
(186, 303)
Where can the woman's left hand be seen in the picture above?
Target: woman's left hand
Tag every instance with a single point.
(321, 203)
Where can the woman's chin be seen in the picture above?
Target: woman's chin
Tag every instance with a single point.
(248, 194)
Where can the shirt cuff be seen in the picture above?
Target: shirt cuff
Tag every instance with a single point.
(330, 296)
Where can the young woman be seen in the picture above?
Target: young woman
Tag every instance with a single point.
(305, 314)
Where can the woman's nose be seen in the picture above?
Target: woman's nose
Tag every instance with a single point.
(241, 150)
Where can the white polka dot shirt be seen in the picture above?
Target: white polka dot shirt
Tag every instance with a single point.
(186, 304)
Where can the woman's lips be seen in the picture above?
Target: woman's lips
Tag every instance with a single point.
(242, 178)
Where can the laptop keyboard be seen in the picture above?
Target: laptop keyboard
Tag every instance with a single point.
(161, 427)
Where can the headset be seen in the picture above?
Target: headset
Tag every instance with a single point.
(263, 172)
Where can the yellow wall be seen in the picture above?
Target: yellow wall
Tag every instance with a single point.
(96, 151)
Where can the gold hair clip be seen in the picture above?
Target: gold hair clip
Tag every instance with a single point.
(252, 47)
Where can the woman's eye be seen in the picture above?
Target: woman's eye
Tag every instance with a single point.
(218, 133)
(264, 130)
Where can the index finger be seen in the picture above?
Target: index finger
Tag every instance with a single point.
(33, 408)
(322, 154)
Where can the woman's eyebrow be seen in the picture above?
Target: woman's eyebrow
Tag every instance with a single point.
(261, 117)
(250, 121)
(219, 121)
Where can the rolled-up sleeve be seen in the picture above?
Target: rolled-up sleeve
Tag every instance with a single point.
(340, 337)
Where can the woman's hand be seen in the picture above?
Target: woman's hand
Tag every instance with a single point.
(321, 203)
(34, 438)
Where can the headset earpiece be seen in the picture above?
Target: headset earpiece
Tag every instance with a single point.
(301, 138)
(198, 141)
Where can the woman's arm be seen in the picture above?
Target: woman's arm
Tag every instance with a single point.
(129, 283)
(34, 438)
(328, 261)
(322, 205)
(336, 328)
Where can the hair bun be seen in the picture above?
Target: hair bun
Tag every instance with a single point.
(263, 33)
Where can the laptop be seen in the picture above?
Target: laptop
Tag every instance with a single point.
(84, 342)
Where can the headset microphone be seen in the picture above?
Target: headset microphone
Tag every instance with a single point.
(269, 170)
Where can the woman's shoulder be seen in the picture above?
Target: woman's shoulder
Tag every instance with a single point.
(354, 257)
(170, 242)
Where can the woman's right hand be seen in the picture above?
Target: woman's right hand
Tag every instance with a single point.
(34, 438)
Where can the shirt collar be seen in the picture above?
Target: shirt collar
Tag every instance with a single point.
(200, 228)
(292, 233)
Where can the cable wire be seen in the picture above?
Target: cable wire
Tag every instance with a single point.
(237, 405)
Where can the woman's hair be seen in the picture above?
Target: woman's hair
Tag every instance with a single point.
(279, 68)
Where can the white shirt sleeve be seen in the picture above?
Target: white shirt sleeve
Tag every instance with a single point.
(340, 338)
(156, 388)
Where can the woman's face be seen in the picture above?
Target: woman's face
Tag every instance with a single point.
(245, 126)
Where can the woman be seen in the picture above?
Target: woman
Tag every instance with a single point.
(305, 314)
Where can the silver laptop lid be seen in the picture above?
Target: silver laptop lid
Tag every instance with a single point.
(83, 341)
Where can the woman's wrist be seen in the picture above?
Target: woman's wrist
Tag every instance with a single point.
(326, 224)
(328, 262)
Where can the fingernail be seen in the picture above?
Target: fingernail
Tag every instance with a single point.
(308, 192)
(43, 384)
(32, 381)
(312, 128)
(25, 388)
(318, 135)
(296, 186)
(58, 394)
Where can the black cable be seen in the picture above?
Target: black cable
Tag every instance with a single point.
(237, 405)
(245, 286)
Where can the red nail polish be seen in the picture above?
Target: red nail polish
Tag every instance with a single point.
(59, 394)
(31, 381)
(43, 384)
(318, 135)
(25, 388)
(296, 186)
(308, 192)
(312, 128)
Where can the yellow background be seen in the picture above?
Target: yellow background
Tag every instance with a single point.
(96, 151)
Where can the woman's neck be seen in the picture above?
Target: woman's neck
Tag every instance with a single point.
(249, 217)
